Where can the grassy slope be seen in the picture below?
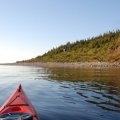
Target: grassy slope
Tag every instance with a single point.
(105, 47)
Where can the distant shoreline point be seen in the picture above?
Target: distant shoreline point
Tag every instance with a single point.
(70, 65)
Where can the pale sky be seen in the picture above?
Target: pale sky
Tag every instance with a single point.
(29, 28)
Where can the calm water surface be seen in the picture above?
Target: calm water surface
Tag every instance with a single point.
(64, 93)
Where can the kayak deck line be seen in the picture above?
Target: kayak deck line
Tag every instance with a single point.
(18, 102)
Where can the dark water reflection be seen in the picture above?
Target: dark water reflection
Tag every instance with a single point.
(65, 93)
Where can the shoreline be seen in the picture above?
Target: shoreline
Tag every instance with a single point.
(70, 65)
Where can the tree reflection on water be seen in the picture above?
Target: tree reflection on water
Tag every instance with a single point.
(96, 86)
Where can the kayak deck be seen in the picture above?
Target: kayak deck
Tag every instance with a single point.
(18, 102)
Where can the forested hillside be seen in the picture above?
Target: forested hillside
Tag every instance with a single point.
(105, 47)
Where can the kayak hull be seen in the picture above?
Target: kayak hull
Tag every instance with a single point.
(18, 102)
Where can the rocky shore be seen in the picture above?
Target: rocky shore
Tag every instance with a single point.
(72, 65)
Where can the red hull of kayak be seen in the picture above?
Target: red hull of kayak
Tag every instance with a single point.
(18, 102)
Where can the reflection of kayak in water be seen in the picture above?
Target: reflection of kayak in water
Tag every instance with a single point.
(18, 107)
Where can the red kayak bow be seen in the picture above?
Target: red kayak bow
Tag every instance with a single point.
(18, 103)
